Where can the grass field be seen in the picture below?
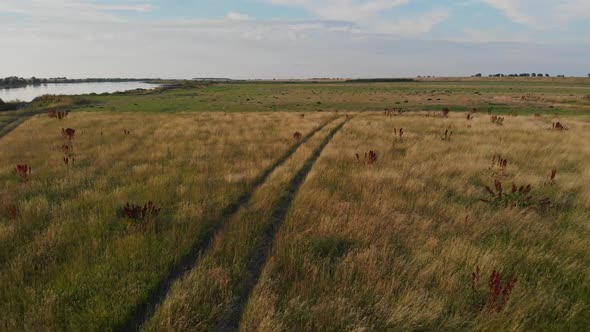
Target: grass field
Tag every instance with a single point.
(258, 229)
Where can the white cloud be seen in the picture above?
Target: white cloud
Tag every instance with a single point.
(543, 14)
(70, 9)
(237, 16)
(367, 16)
(343, 10)
(412, 26)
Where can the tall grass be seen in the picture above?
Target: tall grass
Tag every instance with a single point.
(69, 260)
(393, 245)
(210, 295)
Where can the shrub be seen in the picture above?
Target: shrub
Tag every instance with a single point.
(445, 112)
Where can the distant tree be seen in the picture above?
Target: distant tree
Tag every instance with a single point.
(547, 75)
(477, 75)
(1, 101)
(533, 74)
(588, 75)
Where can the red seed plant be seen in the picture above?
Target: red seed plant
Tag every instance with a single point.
(445, 112)
(399, 133)
(551, 177)
(498, 292)
(516, 197)
(447, 135)
(499, 165)
(297, 136)
(370, 158)
(68, 133)
(68, 151)
(139, 213)
(559, 126)
(60, 115)
(498, 121)
(475, 279)
(11, 211)
(126, 132)
(23, 172)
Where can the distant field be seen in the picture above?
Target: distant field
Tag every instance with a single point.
(518, 97)
(296, 207)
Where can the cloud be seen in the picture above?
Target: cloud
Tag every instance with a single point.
(343, 10)
(237, 16)
(412, 26)
(71, 9)
(542, 14)
(367, 15)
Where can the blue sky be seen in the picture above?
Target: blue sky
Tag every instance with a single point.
(293, 38)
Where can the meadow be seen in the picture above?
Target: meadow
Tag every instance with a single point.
(423, 206)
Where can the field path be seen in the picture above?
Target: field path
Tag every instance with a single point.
(145, 309)
(230, 319)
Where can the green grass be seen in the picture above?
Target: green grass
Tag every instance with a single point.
(310, 97)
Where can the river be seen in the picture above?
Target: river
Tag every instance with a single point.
(30, 92)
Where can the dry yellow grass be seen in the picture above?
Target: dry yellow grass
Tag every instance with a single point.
(68, 261)
(393, 245)
(204, 298)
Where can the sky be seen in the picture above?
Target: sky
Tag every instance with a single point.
(263, 39)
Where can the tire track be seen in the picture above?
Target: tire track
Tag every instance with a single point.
(145, 309)
(230, 319)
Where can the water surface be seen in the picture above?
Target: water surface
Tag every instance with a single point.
(30, 92)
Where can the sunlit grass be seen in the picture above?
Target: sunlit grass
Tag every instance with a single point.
(68, 261)
(393, 245)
